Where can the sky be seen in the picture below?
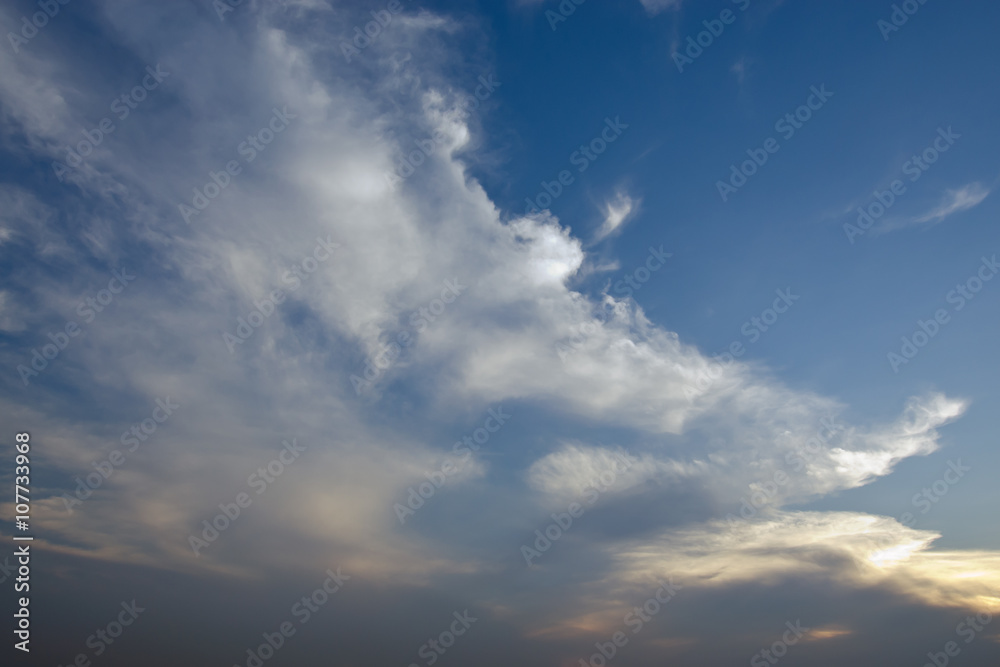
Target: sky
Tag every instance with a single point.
(537, 332)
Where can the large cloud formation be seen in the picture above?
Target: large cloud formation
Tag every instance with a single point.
(432, 308)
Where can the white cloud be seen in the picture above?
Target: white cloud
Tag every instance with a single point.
(657, 6)
(740, 68)
(707, 431)
(783, 551)
(955, 201)
(617, 212)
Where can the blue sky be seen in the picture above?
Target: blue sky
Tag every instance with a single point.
(295, 275)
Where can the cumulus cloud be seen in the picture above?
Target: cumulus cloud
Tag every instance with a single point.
(858, 551)
(517, 332)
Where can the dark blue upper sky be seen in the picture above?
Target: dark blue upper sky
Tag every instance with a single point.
(785, 228)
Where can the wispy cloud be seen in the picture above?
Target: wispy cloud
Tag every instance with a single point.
(657, 6)
(956, 201)
(617, 212)
(739, 69)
